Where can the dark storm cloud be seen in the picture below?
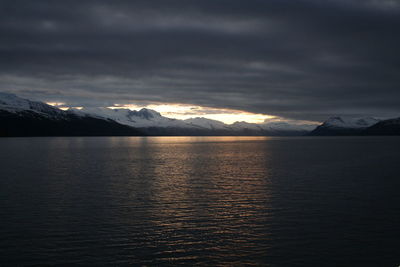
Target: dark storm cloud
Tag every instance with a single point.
(298, 59)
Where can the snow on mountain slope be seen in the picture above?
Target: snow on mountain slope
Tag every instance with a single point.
(351, 123)
(206, 123)
(149, 118)
(144, 118)
(12, 103)
(242, 125)
(344, 126)
(140, 119)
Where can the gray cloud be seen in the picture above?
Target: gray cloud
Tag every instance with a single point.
(304, 59)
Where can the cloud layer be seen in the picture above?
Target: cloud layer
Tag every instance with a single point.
(305, 59)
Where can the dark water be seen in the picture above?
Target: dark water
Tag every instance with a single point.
(216, 201)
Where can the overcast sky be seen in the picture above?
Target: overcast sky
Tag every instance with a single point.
(300, 59)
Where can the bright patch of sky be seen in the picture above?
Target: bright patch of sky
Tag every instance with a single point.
(182, 112)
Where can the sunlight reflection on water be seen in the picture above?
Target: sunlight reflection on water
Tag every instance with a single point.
(198, 200)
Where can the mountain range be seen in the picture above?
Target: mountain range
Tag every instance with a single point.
(23, 117)
(344, 126)
(339, 126)
(152, 122)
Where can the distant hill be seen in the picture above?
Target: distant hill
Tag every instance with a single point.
(22, 117)
(153, 123)
(342, 126)
(337, 126)
(385, 127)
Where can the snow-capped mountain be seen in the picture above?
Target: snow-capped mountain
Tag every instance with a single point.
(12, 103)
(143, 118)
(151, 122)
(344, 126)
(355, 123)
(242, 125)
(23, 117)
(146, 118)
(206, 124)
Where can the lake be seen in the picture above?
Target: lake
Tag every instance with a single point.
(206, 201)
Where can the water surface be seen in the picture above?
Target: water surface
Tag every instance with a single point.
(217, 201)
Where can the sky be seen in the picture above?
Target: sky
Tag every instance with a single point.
(298, 59)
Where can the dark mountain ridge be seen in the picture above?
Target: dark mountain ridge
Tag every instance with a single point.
(337, 126)
(23, 117)
(29, 123)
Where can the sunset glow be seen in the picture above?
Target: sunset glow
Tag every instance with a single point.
(182, 112)
(61, 105)
(56, 104)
